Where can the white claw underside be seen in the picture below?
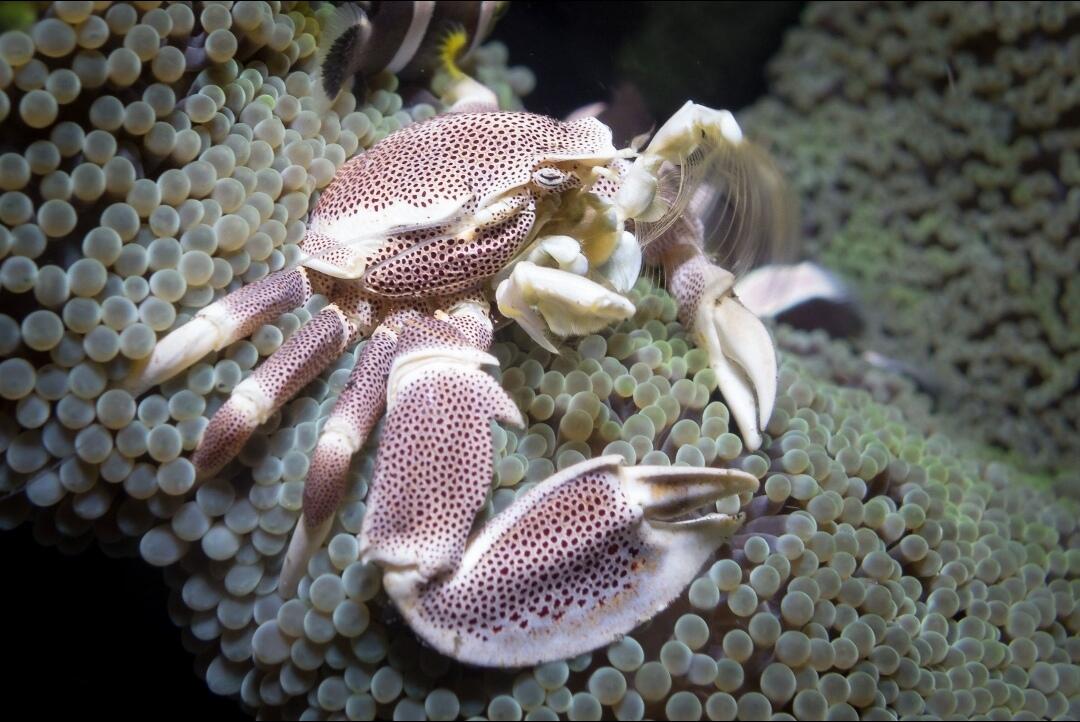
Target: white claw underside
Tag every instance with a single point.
(564, 250)
(363, 232)
(749, 345)
(579, 560)
(682, 131)
(624, 266)
(565, 303)
(775, 289)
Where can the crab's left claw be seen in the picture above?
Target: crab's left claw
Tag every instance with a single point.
(740, 349)
(578, 561)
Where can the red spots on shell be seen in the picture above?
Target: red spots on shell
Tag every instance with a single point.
(452, 157)
(458, 158)
(426, 262)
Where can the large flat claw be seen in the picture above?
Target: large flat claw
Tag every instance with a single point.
(435, 455)
(581, 559)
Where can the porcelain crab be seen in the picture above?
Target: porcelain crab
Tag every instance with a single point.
(412, 243)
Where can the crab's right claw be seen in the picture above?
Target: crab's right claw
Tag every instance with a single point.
(741, 352)
(578, 561)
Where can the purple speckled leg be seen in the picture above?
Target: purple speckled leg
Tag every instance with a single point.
(436, 441)
(221, 323)
(354, 415)
(299, 360)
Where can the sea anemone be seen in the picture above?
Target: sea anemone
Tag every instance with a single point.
(931, 146)
(157, 159)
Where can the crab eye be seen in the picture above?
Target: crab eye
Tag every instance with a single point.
(550, 177)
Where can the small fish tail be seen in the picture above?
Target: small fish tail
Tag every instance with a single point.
(340, 47)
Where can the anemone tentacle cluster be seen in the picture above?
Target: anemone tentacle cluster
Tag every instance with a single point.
(936, 150)
(156, 156)
(882, 572)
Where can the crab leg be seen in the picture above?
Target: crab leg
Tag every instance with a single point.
(740, 349)
(581, 559)
(355, 413)
(221, 323)
(300, 359)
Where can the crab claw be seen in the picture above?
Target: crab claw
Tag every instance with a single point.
(741, 352)
(567, 304)
(435, 460)
(578, 561)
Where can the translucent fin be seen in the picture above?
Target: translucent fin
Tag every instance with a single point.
(344, 35)
(748, 212)
(676, 185)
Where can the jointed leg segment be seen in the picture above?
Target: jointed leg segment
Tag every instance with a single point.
(299, 360)
(223, 322)
(435, 451)
(357, 410)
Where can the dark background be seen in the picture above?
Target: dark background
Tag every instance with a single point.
(89, 634)
(712, 52)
